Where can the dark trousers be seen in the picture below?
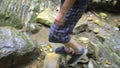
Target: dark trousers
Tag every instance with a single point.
(61, 34)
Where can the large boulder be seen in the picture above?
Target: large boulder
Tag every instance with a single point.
(102, 41)
(18, 13)
(15, 48)
(21, 13)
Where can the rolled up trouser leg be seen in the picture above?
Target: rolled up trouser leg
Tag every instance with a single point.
(61, 34)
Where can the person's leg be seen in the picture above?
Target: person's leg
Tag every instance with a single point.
(74, 14)
(61, 34)
(73, 44)
(79, 52)
(56, 35)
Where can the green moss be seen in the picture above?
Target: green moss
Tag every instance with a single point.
(24, 36)
(8, 19)
(16, 23)
(118, 57)
(2, 16)
(26, 39)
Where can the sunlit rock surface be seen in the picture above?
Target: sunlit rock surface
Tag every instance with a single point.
(46, 17)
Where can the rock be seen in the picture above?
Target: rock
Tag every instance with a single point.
(33, 28)
(116, 28)
(94, 50)
(41, 37)
(103, 15)
(101, 37)
(97, 21)
(80, 28)
(118, 25)
(46, 17)
(103, 43)
(17, 13)
(51, 60)
(84, 40)
(90, 16)
(90, 64)
(96, 30)
(15, 48)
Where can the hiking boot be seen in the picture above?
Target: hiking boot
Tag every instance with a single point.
(77, 57)
(61, 50)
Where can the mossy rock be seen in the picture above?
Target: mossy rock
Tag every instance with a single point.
(16, 48)
(46, 17)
